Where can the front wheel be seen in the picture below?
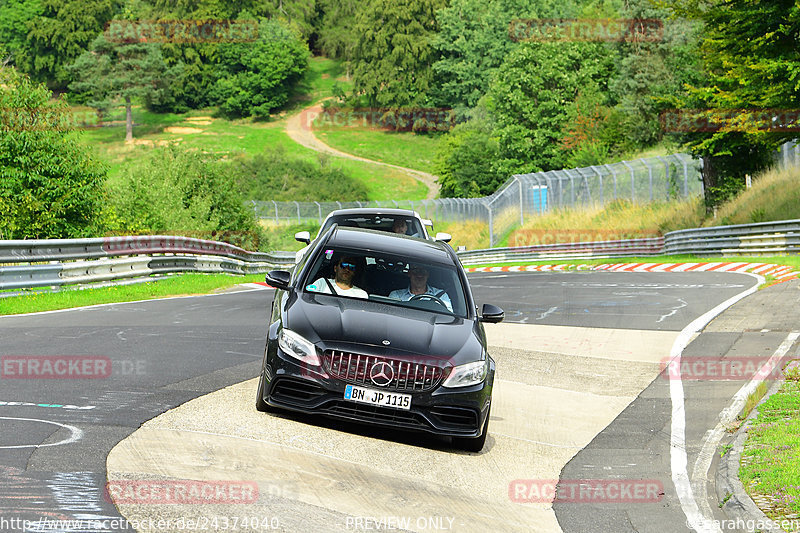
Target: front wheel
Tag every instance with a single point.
(474, 444)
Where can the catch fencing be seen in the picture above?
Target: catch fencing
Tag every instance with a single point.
(522, 196)
(640, 181)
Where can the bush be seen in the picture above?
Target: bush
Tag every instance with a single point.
(177, 192)
(465, 163)
(50, 186)
(273, 175)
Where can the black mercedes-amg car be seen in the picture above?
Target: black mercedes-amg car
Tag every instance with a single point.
(382, 329)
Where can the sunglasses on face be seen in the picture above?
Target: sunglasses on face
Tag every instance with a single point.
(347, 265)
(418, 271)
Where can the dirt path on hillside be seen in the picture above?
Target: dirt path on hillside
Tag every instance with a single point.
(299, 129)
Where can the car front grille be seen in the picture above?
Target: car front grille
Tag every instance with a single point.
(406, 375)
(377, 414)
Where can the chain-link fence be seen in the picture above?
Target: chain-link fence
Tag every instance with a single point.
(641, 181)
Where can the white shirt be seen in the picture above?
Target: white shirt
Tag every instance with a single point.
(321, 286)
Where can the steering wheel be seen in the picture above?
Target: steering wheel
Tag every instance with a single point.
(428, 298)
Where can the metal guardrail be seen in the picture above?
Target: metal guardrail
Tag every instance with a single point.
(577, 250)
(758, 239)
(58, 262)
(43, 263)
(763, 238)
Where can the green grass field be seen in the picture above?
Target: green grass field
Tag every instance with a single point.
(225, 139)
(770, 466)
(397, 148)
(179, 285)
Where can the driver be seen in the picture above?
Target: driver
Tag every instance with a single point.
(418, 284)
(344, 271)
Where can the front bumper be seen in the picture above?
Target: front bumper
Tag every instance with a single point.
(457, 412)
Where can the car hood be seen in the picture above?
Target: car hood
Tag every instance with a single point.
(363, 327)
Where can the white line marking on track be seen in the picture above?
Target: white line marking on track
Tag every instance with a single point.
(76, 434)
(678, 456)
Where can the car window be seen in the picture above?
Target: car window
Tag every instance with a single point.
(404, 225)
(388, 279)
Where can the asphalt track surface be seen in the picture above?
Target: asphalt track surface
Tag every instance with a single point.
(150, 357)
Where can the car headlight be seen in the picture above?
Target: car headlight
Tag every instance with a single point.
(466, 375)
(298, 347)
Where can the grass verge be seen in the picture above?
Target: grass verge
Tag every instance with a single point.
(770, 467)
(179, 285)
(405, 149)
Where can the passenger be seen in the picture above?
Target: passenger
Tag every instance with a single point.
(400, 226)
(344, 272)
(418, 284)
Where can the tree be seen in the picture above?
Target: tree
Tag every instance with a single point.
(475, 39)
(465, 160)
(394, 52)
(59, 35)
(532, 95)
(111, 70)
(50, 185)
(256, 78)
(16, 17)
(652, 71)
(751, 52)
(337, 36)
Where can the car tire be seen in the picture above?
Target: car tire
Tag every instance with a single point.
(474, 444)
(261, 405)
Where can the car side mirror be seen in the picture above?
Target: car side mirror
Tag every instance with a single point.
(491, 314)
(303, 236)
(444, 237)
(279, 279)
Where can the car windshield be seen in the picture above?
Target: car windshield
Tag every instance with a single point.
(404, 225)
(387, 279)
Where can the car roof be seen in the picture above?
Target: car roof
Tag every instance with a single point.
(373, 211)
(381, 241)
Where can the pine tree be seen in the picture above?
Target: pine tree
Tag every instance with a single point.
(119, 70)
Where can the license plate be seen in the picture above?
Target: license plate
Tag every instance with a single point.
(377, 397)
